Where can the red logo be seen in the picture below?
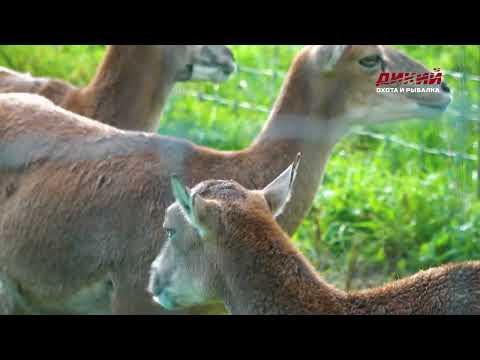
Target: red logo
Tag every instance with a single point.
(432, 78)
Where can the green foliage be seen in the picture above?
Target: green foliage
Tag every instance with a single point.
(383, 211)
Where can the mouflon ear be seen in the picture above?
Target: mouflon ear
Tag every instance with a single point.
(279, 191)
(183, 196)
(329, 56)
(194, 206)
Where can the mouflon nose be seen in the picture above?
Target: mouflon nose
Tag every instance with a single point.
(230, 53)
(229, 68)
(445, 87)
(155, 287)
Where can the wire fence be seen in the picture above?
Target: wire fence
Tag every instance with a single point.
(463, 115)
(269, 67)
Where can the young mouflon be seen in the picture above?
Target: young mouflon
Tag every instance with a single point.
(224, 244)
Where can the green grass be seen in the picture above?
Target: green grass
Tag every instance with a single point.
(383, 211)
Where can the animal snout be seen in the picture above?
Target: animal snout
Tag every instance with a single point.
(228, 67)
(229, 53)
(156, 284)
(445, 87)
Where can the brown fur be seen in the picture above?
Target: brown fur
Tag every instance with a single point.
(255, 269)
(82, 202)
(128, 91)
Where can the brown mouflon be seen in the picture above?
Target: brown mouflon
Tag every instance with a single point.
(132, 83)
(82, 203)
(225, 245)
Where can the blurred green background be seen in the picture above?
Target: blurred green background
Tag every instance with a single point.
(397, 197)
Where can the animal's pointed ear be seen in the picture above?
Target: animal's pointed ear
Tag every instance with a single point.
(201, 211)
(183, 196)
(329, 56)
(278, 192)
(194, 206)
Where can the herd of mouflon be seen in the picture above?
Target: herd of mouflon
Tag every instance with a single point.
(100, 215)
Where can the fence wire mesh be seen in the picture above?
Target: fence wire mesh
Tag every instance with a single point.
(459, 127)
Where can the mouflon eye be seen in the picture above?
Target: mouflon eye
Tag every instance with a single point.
(371, 62)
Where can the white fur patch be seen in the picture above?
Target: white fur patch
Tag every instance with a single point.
(208, 73)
